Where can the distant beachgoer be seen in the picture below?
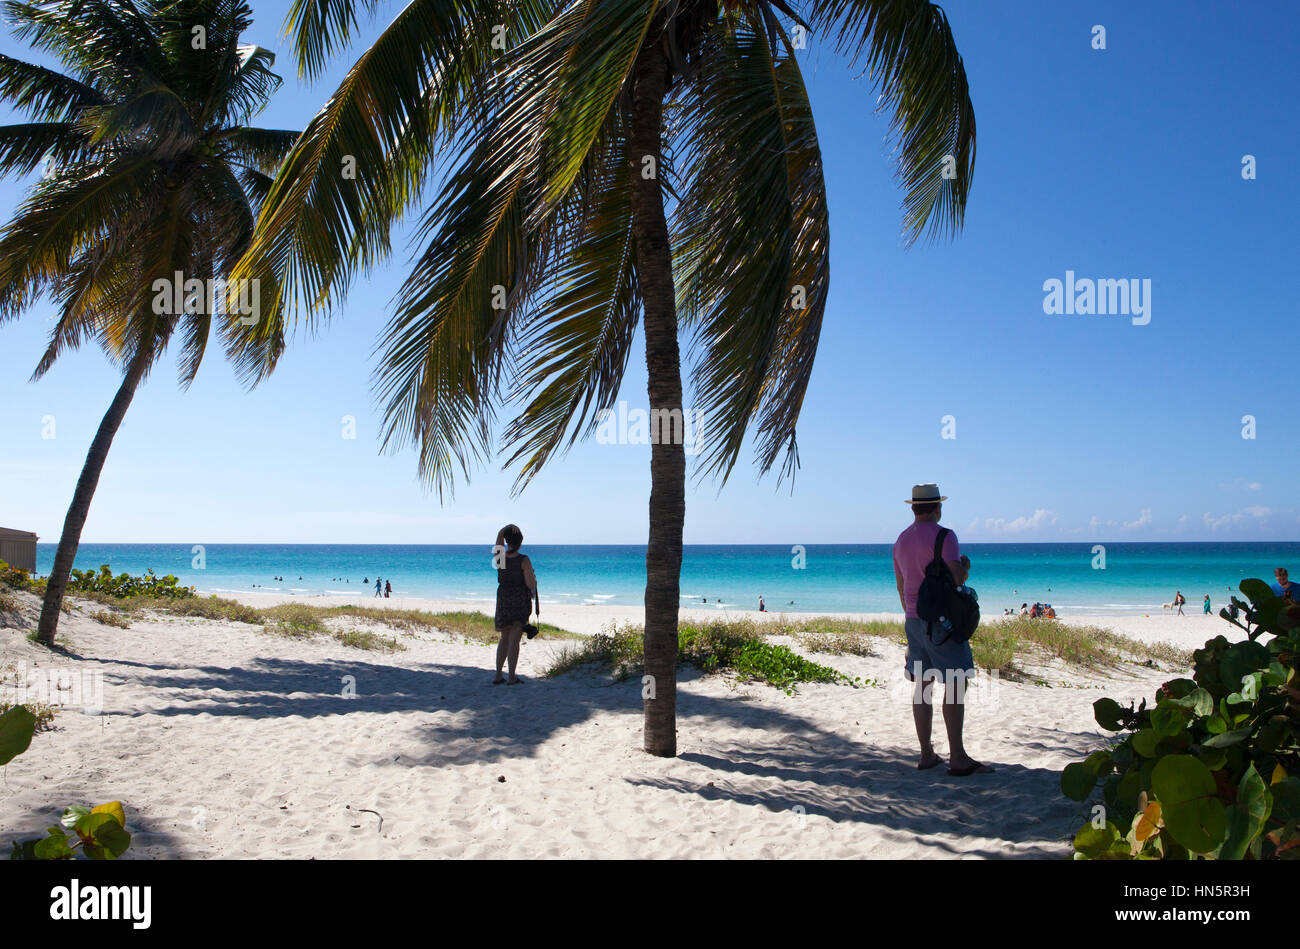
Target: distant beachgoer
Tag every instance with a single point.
(761, 607)
(948, 659)
(1205, 607)
(388, 588)
(1179, 600)
(1284, 587)
(378, 587)
(1024, 609)
(516, 593)
(1051, 613)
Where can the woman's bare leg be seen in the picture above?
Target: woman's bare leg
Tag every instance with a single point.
(516, 633)
(502, 649)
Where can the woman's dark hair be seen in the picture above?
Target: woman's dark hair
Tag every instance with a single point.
(513, 536)
(926, 508)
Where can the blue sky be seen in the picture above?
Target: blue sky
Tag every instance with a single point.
(1116, 163)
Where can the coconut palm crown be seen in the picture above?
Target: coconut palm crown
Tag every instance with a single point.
(149, 170)
(604, 167)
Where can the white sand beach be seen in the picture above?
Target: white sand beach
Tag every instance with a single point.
(224, 741)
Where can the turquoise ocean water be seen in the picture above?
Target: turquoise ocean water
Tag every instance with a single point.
(825, 578)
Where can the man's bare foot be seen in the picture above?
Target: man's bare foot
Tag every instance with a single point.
(926, 763)
(498, 680)
(514, 680)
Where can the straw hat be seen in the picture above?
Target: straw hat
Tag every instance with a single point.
(926, 494)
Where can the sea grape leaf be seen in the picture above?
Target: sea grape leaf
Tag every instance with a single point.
(73, 813)
(1227, 738)
(1256, 590)
(1077, 781)
(1193, 814)
(16, 729)
(102, 836)
(1108, 712)
(1241, 660)
(1098, 763)
(1199, 701)
(114, 809)
(1168, 718)
(1092, 841)
(1246, 818)
(1145, 741)
(53, 847)
(1148, 823)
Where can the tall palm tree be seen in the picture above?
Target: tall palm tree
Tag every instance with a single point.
(152, 179)
(570, 128)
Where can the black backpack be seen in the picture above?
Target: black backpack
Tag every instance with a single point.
(939, 599)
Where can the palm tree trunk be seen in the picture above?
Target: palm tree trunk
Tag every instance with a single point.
(654, 270)
(81, 498)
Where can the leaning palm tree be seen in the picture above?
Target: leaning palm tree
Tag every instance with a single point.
(149, 190)
(609, 164)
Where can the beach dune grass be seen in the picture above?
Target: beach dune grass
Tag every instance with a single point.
(302, 620)
(999, 644)
(738, 646)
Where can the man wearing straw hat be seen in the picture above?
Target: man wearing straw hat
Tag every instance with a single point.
(931, 655)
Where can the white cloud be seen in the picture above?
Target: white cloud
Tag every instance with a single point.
(1256, 513)
(1039, 519)
(1144, 519)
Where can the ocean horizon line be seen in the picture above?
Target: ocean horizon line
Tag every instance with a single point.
(559, 543)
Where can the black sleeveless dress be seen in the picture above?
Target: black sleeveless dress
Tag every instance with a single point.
(514, 599)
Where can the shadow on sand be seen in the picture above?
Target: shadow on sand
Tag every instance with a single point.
(823, 772)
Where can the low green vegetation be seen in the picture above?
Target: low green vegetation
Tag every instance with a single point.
(97, 833)
(130, 597)
(124, 585)
(109, 618)
(365, 639)
(44, 714)
(1211, 768)
(736, 646)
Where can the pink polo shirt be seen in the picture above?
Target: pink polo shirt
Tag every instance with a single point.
(913, 550)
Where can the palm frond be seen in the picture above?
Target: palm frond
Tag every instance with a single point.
(751, 246)
(907, 48)
(579, 332)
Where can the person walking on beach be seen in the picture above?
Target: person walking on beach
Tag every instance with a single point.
(378, 586)
(516, 594)
(1205, 607)
(762, 607)
(388, 588)
(1179, 600)
(1284, 587)
(928, 653)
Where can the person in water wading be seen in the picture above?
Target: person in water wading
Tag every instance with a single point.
(516, 595)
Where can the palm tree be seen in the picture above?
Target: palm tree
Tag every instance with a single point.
(570, 128)
(151, 184)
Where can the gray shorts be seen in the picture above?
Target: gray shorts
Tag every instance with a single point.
(943, 659)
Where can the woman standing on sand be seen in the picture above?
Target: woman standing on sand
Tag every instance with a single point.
(516, 594)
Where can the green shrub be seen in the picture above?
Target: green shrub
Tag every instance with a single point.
(16, 578)
(1212, 767)
(111, 619)
(126, 586)
(711, 646)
